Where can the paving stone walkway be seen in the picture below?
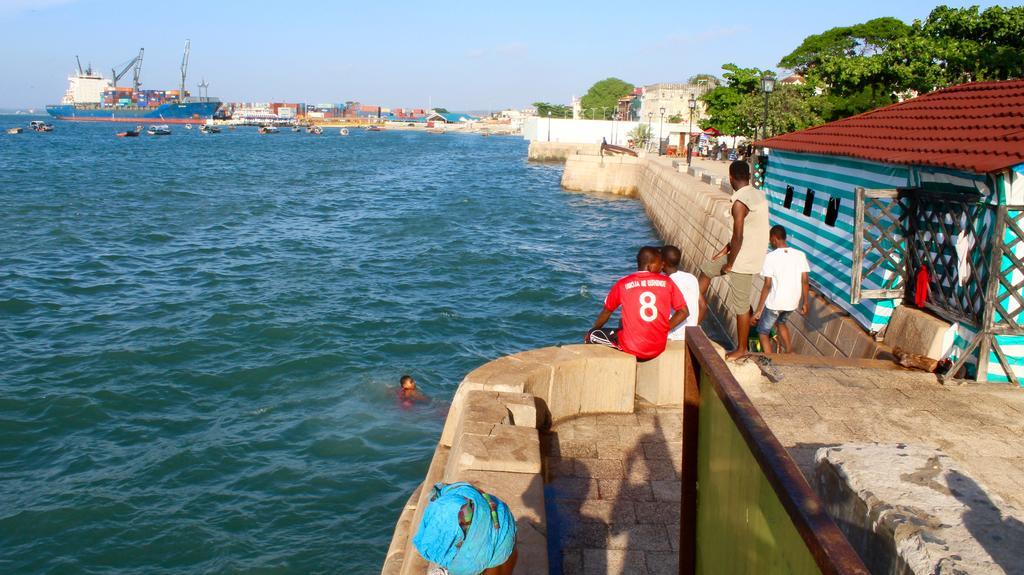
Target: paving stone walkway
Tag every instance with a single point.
(980, 425)
(612, 493)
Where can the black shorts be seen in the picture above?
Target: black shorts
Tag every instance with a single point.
(605, 336)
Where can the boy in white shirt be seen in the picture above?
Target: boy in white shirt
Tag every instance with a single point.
(785, 289)
(687, 283)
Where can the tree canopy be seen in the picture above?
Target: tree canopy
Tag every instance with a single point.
(554, 110)
(864, 66)
(723, 105)
(852, 69)
(602, 98)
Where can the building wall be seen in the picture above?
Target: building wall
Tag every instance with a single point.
(674, 98)
(537, 129)
(831, 247)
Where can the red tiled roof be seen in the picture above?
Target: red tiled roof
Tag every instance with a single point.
(978, 127)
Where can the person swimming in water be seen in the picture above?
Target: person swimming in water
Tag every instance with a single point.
(408, 393)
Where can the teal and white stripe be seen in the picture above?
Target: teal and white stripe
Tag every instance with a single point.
(829, 249)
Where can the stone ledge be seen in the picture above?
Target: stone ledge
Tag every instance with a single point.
(919, 332)
(913, 509)
(505, 448)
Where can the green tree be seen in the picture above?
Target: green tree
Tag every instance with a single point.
(602, 99)
(722, 104)
(870, 38)
(442, 110)
(711, 80)
(850, 65)
(958, 45)
(556, 110)
(790, 107)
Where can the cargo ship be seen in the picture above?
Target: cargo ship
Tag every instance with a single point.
(90, 97)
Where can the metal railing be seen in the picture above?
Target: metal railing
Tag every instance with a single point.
(746, 508)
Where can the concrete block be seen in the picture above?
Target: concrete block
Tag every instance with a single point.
(660, 380)
(485, 411)
(502, 374)
(540, 385)
(522, 407)
(713, 179)
(912, 509)
(609, 379)
(506, 448)
(919, 332)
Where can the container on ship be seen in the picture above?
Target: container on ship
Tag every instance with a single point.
(92, 98)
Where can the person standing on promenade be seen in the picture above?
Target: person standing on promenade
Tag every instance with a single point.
(744, 254)
(652, 306)
(687, 284)
(786, 288)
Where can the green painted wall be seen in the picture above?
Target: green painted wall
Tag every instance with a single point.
(741, 525)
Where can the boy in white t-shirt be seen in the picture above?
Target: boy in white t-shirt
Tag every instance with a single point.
(785, 289)
(687, 283)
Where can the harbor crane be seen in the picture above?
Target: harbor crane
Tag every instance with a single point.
(87, 71)
(135, 63)
(184, 68)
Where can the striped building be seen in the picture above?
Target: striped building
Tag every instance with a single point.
(956, 157)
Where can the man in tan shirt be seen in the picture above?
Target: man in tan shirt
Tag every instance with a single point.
(744, 253)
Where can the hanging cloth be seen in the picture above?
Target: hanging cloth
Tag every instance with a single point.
(921, 287)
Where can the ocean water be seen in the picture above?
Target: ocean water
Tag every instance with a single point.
(200, 336)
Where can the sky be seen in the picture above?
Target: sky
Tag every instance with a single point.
(458, 55)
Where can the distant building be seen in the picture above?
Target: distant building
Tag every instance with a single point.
(674, 98)
(628, 107)
(449, 118)
(792, 79)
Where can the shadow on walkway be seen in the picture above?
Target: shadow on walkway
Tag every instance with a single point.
(613, 493)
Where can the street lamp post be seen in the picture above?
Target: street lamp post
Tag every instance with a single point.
(767, 86)
(650, 116)
(661, 127)
(549, 125)
(692, 103)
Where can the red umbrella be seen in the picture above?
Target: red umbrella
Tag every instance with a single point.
(712, 132)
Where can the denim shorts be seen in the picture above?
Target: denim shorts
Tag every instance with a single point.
(769, 319)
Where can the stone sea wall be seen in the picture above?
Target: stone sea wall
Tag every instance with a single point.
(691, 209)
(491, 435)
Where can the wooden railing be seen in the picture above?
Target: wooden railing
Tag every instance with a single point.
(746, 508)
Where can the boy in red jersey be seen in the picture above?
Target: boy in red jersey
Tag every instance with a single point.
(648, 299)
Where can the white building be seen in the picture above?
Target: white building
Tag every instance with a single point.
(674, 98)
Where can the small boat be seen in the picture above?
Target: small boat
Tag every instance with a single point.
(130, 133)
(344, 131)
(374, 129)
(40, 126)
(13, 131)
(296, 128)
(209, 129)
(161, 130)
(188, 126)
(268, 130)
(315, 130)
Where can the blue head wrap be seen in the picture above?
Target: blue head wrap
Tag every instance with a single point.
(488, 542)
